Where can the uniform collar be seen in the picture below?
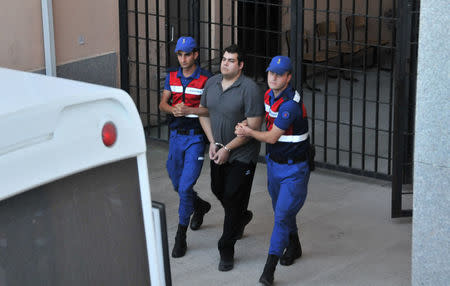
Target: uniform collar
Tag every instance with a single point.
(195, 75)
(287, 93)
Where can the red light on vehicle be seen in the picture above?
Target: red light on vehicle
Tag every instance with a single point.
(109, 134)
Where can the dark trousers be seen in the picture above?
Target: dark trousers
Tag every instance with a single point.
(231, 183)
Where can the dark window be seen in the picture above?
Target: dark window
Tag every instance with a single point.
(86, 229)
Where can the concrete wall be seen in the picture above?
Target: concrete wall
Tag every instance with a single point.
(431, 206)
(95, 23)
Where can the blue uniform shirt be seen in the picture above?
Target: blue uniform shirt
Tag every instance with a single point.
(183, 122)
(291, 119)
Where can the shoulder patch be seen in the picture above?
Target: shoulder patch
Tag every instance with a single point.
(297, 97)
(285, 115)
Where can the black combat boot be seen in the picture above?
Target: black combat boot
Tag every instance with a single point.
(269, 270)
(293, 251)
(201, 207)
(180, 247)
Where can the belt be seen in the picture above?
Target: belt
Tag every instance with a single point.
(297, 159)
(189, 131)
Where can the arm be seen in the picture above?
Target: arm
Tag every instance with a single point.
(179, 109)
(223, 154)
(253, 123)
(270, 137)
(164, 104)
(205, 122)
(184, 110)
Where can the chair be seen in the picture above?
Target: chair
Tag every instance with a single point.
(359, 23)
(342, 48)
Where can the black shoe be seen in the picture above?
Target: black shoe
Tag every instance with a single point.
(180, 247)
(226, 259)
(246, 220)
(269, 269)
(226, 264)
(201, 207)
(293, 251)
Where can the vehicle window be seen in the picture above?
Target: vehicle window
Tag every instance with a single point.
(85, 229)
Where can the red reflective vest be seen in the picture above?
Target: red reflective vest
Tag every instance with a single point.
(190, 94)
(290, 135)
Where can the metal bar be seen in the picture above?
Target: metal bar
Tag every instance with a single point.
(168, 28)
(267, 34)
(255, 41)
(179, 18)
(124, 53)
(325, 125)
(242, 28)
(279, 24)
(391, 85)
(413, 45)
(377, 113)
(147, 60)
(136, 24)
(197, 25)
(232, 22)
(363, 141)
(401, 91)
(345, 150)
(313, 101)
(338, 102)
(296, 74)
(221, 25)
(209, 38)
(49, 37)
(158, 70)
(353, 171)
(261, 2)
(350, 159)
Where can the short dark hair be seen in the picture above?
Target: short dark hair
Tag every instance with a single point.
(234, 49)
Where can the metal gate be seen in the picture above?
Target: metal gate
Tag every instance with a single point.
(354, 59)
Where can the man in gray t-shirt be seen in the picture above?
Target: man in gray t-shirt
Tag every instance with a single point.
(231, 98)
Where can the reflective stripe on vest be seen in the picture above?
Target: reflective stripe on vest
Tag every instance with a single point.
(191, 116)
(293, 138)
(274, 114)
(190, 90)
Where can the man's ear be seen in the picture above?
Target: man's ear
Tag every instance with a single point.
(195, 55)
(289, 77)
(241, 65)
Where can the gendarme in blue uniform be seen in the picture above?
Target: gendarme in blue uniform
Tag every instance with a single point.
(186, 142)
(287, 165)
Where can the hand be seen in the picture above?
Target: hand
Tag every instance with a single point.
(221, 156)
(212, 150)
(242, 130)
(180, 110)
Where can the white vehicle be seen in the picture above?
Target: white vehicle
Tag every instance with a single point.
(75, 202)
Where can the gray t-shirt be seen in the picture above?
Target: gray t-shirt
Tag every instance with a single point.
(227, 108)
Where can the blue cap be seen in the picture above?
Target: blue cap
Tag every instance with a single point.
(280, 65)
(185, 44)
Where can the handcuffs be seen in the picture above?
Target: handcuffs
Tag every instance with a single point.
(220, 145)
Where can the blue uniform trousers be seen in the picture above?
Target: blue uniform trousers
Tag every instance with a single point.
(184, 164)
(288, 187)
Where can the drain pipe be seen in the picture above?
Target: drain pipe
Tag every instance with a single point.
(49, 37)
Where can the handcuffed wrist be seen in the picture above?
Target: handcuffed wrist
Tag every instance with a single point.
(223, 146)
